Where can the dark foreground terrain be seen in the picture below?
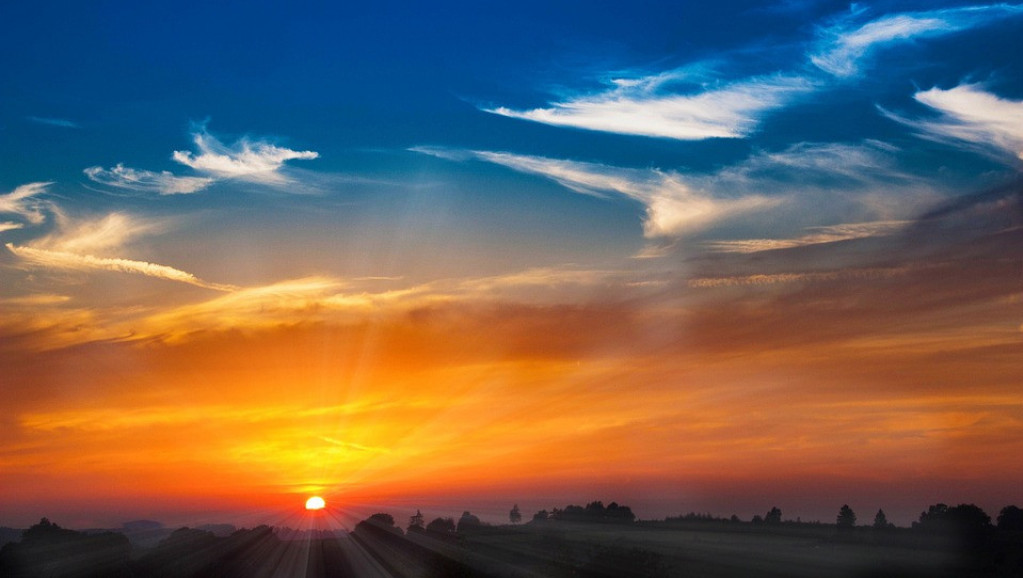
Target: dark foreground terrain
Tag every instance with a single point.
(557, 546)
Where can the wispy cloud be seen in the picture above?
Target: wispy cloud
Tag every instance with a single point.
(66, 260)
(246, 159)
(775, 278)
(21, 202)
(844, 45)
(58, 122)
(110, 232)
(833, 181)
(673, 206)
(258, 161)
(971, 114)
(164, 182)
(647, 106)
(75, 243)
(816, 236)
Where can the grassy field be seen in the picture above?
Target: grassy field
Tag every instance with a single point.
(641, 550)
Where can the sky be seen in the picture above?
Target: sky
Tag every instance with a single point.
(685, 256)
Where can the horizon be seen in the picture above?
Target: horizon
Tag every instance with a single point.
(681, 257)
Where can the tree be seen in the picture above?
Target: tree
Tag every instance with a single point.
(964, 519)
(468, 523)
(933, 518)
(616, 513)
(540, 516)
(415, 523)
(881, 521)
(443, 526)
(1010, 519)
(378, 525)
(846, 518)
(773, 517)
(515, 516)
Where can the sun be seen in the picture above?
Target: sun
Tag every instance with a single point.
(315, 503)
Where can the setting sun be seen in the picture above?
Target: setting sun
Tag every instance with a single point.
(315, 503)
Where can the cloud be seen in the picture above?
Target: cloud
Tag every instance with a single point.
(74, 243)
(969, 113)
(164, 182)
(685, 105)
(831, 181)
(108, 233)
(9, 226)
(819, 235)
(673, 206)
(58, 122)
(843, 46)
(257, 161)
(646, 107)
(20, 202)
(774, 278)
(66, 260)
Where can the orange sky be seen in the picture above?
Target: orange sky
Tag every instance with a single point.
(873, 384)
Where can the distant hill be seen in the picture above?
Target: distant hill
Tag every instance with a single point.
(9, 535)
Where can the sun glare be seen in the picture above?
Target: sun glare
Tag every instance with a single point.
(315, 503)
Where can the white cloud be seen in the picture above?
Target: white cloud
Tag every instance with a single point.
(164, 182)
(9, 226)
(250, 160)
(775, 278)
(868, 163)
(674, 206)
(66, 260)
(642, 106)
(74, 244)
(843, 46)
(801, 185)
(817, 235)
(257, 161)
(58, 122)
(111, 232)
(20, 202)
(971, 114)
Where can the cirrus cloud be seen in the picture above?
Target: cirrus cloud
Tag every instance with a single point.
(642, 107)
(257, 161)
(970, 114)
(246, 159)
(844, 45)
(164, 182)
(22, 202)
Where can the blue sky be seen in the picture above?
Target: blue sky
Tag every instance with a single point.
(729, 180)
(680, 89)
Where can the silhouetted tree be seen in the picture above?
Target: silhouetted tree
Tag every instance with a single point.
(540, 516)
(46, 549)
(468, 523)
(1010, 519)
(616, 513)
(443, 526)
(881, 521)
(378, 524)
(967, 520)
(515, 516)
(846, 519)
(773, 516)
(970, 518)
(757, 520)
(415, 523)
